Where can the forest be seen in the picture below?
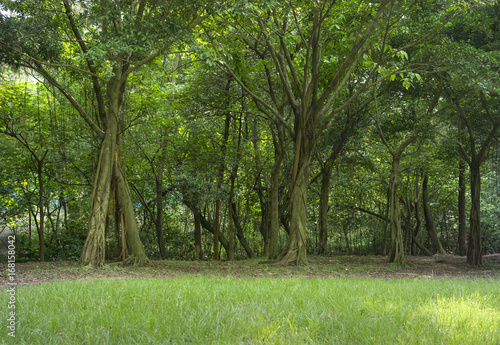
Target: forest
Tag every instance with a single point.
(141, 130)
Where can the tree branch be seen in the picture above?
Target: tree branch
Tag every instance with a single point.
(74, 103)
(90, 64)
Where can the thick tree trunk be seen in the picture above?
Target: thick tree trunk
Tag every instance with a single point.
(462, 227)
(109, 172)
(129, 227)
(94, 248)
(474, 250)
(396, 253)
(323, 208)
(429, 222)
(295, 249)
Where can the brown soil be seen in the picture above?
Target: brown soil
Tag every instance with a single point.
(442, 266)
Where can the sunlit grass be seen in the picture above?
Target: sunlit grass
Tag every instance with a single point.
(210, 310)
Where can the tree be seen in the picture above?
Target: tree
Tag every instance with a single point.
(11, 125)
(474, 158)
(473, 87)
(309, 52)
(429, 222)
(108, 41)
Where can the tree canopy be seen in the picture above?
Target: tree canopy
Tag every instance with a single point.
(194, 129)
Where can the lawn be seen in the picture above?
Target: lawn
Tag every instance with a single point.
(211, 309)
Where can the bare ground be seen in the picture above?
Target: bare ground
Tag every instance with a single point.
(422, 267)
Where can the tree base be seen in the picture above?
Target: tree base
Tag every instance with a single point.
(293, 256)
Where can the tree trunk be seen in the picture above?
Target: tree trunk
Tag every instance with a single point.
(129, 227)
(408, 228)
(346, 237)
(295, 249)
(230, 252)
(425, 250)
(264, 203)
(429, 222)
(265, 222)
(41, 228)
(240, 234)
(396, 253)
(273, 229)
(159, 210)
(94, 248)
(462, 229)
(474, 249)
(206, 224)
(416, 231)
(197, 235)
(220, 176)
(387, 209)
(109, 171)
(323, 208)
(216, 230)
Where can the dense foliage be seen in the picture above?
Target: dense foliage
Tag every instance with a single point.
(231, 114)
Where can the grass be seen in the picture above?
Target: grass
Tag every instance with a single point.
(215, 310)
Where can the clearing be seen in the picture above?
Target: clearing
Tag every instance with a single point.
(423, 267)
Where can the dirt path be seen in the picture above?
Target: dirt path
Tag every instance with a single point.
(321, 267)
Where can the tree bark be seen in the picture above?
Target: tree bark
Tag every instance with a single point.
(159, 209)
(387, 222)
(109, 171)
(41, 228)
(295, 248)
(94, 248)
(129, 227)
(158, 174)
(429, 222)
(324, 199)
(274, 215)
(396, 253)
(474, 249)
(198, 252)
(462, 226)
(230, 252)
(416, 231)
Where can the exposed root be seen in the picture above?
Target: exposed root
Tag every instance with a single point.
(141, 260)
(292, 257)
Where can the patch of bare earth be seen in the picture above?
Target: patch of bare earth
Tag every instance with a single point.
(33, 273)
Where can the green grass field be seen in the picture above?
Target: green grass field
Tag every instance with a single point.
(211, 310)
